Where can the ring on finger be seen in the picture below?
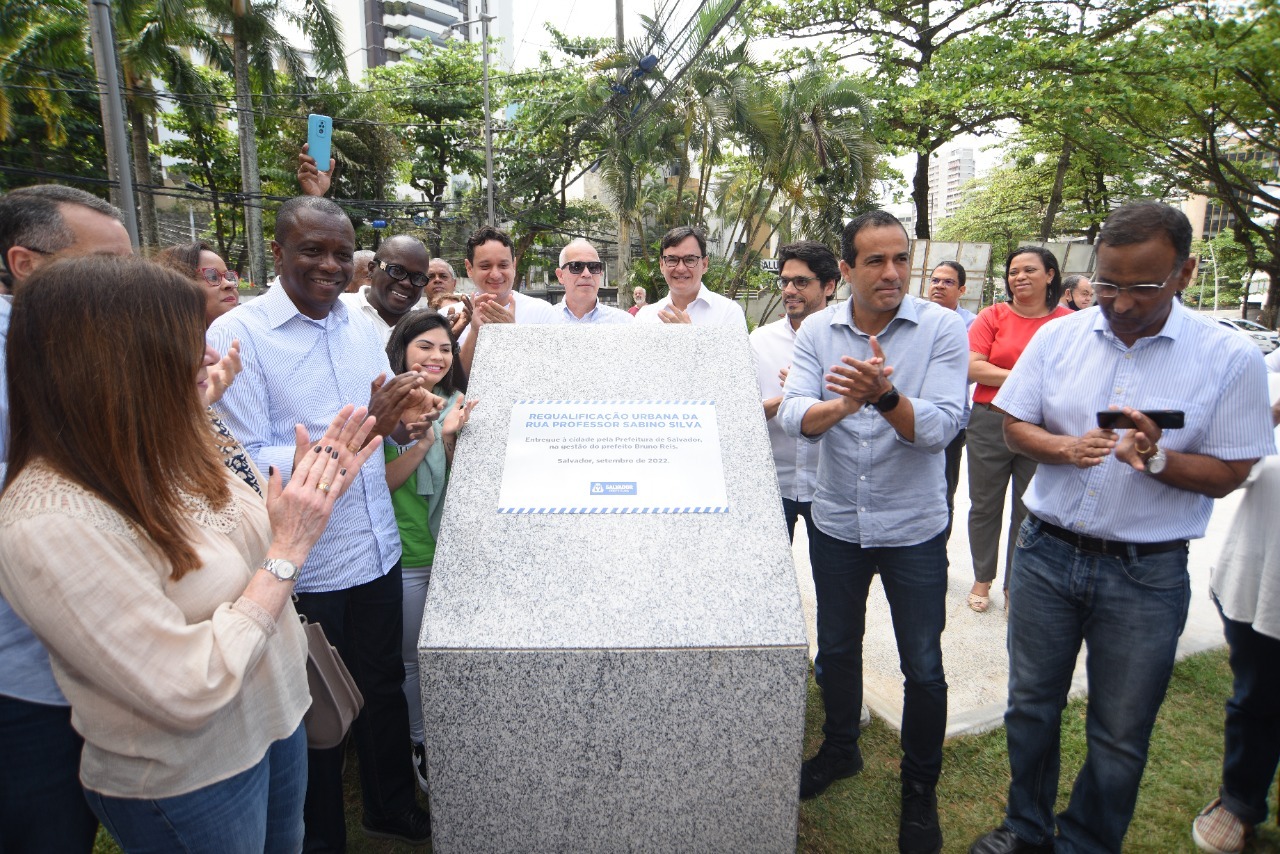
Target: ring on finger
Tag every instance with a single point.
(323, 486)
(353, 447)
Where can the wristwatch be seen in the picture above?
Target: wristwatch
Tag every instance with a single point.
(887, 401)
(1157, 461)
(281, 568)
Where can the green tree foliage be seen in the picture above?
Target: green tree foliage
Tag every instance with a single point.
(43, 57)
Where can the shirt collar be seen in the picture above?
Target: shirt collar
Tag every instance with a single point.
(1173, 324)
(571, 316)
(843, 314)
(278, 309)
(703, 290)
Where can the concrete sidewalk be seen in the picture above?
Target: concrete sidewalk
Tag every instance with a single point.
(973, 645)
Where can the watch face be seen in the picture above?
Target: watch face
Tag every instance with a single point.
(281, 569)
(1155, 465)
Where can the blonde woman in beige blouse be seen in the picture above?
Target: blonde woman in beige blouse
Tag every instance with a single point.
(139, 547)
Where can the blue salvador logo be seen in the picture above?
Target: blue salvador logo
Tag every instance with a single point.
(613, 487)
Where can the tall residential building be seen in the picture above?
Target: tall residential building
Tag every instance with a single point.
(947, 174)
(378, 32)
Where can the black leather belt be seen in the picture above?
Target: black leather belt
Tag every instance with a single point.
(1114, 548)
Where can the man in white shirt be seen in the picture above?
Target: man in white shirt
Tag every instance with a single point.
(684, 262)
(491, 264)
(808, 279)
(397, 275)
(580, 272)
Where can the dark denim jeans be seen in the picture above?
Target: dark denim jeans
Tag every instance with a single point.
(794, 510)
(1130, 612)
(42, 807)
(1252, 735)
(915, 582)
(258, 810)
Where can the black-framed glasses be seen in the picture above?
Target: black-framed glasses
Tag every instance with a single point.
(400, 273)
(676, 260)
(576, 267)
(947, 283)
(212, 275)
(797, 282)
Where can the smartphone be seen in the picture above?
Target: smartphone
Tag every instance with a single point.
(1165, 419)
(319, 131)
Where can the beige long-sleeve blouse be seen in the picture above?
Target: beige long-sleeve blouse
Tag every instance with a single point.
(173, 684)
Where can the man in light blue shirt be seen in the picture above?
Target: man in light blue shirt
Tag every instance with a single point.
(1102, 555)
(305, 355)
(880, 380)
(42, 806)
(580, 273)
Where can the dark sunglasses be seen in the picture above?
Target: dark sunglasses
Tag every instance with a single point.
(399, 273)
(576, 267)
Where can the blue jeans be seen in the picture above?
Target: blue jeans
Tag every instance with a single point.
(1252, 734)
(1130, 612)
(42, 807)
(258, 810)
(793, 510)
(915, 583)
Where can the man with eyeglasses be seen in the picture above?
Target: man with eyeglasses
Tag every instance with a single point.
(879, 382)
(397, 276)
(807, 280)
(946, 284)
(684, 262)
(580, 273)
(42, 806)
(1102, 556)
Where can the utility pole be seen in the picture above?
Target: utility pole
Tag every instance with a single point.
(249, 183)
(624, 226)
(109, 95)
(483, 20)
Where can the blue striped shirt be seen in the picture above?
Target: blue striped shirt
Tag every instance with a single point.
(1075, 367)
(299, 370)
(874, 487)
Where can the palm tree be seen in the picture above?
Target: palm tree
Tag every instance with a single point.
(258, 45)
(39, 35)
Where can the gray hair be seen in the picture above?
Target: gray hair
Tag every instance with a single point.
(577, 241)
(29, 216)
(452, 274)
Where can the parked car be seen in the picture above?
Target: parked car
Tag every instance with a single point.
(1266, 339)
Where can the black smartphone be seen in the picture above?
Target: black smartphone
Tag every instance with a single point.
(1165, 419)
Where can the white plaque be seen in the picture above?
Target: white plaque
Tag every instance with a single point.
(613, 456)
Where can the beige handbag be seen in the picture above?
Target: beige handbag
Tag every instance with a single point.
(335, 699)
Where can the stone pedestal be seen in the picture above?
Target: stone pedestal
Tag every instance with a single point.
(614, 682)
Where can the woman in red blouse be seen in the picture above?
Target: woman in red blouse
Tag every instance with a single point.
(1033, 281)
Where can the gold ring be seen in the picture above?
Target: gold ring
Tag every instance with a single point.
(323, 486)
(353, 448)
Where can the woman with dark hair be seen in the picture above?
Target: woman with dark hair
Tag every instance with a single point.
(199, 263)
(1033, 283)
(151, 567)
(417, 475)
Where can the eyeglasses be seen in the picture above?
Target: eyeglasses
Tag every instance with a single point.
(212, 275)
(399, 273)
(1110, 291)
(677, 260)
(576, 267)
(797, 282)
(946, 283)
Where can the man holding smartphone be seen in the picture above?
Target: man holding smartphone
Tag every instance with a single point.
(1102, 556)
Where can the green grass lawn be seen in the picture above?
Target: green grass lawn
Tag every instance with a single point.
(861, 814)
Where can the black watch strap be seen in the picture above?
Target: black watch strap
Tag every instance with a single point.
(887, 401)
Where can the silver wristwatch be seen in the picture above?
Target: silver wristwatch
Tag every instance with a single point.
(1157, 461)
(281, 568)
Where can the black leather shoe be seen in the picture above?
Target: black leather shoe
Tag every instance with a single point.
(825, 768)
(918, 831)
(414, 827)
(1003, 841)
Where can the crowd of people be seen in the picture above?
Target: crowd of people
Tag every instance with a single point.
(171, 507)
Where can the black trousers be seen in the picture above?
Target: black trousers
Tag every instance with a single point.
(952, 454)
(365, 624)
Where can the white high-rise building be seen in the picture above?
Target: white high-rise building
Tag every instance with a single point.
(947, 174)
(378, 32)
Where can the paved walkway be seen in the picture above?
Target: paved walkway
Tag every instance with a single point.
(973, 645)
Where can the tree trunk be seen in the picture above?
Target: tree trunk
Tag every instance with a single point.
(1055, 195)
(624, 261)
(113, 168)
(250, 183)
(148, 228)
(1269, 317)
(920, 194)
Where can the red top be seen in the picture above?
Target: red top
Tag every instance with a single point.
(1001, 334)
(632, 311)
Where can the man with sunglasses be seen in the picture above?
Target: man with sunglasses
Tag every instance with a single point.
(684, 262)
(1102, 556)
(580, 273)
(398, 274)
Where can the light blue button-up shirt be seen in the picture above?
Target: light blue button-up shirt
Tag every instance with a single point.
(599, 314)
(874, 487)
(1215, 377)
(299, 370)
